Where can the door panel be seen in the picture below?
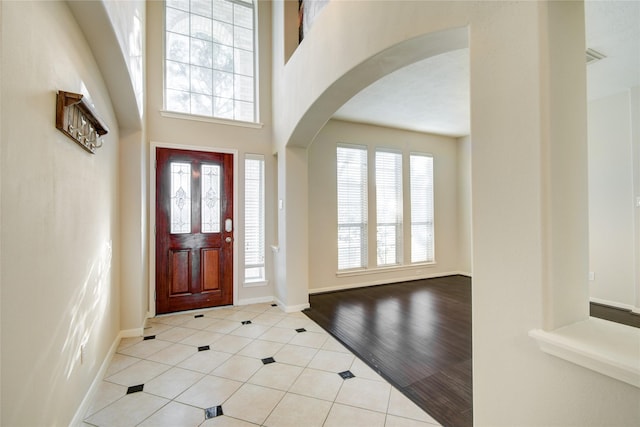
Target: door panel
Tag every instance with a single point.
(194, 252)
(180, 267)
(210, 269)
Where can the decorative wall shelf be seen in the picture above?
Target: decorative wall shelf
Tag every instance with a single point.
(76, 119)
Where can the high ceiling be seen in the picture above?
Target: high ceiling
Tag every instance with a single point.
(433, 95)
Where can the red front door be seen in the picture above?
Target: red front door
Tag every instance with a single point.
(194, 230)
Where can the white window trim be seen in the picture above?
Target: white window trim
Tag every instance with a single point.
(384, 269)
(255, 284)
(208, 119)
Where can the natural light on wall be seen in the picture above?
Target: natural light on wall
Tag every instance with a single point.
(210, 58)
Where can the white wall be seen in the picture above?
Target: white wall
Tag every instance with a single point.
(635, 143)
(464, 206)
(323, 252)
(529, 180)
(612, 230)
(179, 132)
(115, 33)
(60, 230)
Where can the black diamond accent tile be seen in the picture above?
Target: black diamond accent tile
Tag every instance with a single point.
(346, 375)
(204, 348)
(268, 360)
(198, 315)
(135, 388)
(149, 337)
(246, 322)
(301, 330)
(214, 411)
(274, 305)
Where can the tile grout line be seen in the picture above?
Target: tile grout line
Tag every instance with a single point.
(317, 349)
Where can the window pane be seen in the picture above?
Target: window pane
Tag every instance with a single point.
(201, 53)
(243, 16)
(178, 101)
(201, 27)
(223, 57)
(387, 248)
(180, 198)
(422, 228)
(389, 207)
(223, 11)
(223, 107)
(243, 38)
(201, 80)
(352, 190)
(177, 75)
(177, 47)
(254, 234)
(223, 84)
(351, 242)
(177, 21)
(201, 7)
(243, 61)
(178, 4)
(201, 104)
(243, 111)
(222, 33)
(243, 88)
(210, 199)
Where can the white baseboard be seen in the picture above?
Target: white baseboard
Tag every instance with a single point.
(128, 333)
(384, 282)
(78, 418)
(257, 300)
(615, 304)
(291, 308)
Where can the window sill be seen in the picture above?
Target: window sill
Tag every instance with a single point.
(195, 117)
(255, 284)
(606, 347)
(380, 270)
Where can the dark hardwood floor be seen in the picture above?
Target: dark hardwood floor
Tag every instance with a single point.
(614, 314)
(417, 335)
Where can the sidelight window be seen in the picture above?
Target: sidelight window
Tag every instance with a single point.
(254, 218)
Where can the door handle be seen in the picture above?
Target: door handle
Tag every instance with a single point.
(228, 240)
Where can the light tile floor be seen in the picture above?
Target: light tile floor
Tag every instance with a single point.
(184, 383)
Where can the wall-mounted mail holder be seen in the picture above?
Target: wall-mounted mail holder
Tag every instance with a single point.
(76, 119)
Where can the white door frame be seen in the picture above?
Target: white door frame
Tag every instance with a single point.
(151, 312)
